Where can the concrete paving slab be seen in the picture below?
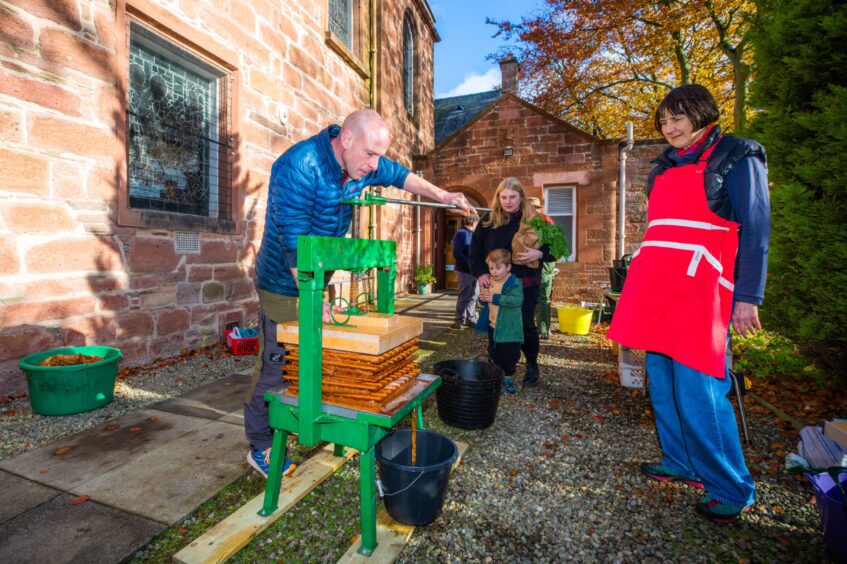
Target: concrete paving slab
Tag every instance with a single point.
(18, 495)
(96, 451)
(168, 483)
(213, 400)
(57, 532)
(234, 417)
(437, 310)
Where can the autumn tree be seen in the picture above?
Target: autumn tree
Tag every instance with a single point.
(599, 63)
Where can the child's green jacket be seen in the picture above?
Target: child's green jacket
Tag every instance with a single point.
(509, 326)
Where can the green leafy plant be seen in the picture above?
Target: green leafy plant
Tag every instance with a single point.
(550, 234)
(767, 354)
(424, 275)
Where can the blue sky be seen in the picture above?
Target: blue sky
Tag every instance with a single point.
(460, 64)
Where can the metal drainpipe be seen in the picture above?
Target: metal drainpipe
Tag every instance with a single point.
(622, 190)
(372, 34)
(372, 84)
(418, 231)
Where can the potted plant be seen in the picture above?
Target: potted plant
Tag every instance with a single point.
(424, 278)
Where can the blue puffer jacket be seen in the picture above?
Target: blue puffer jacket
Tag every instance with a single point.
(304, 199)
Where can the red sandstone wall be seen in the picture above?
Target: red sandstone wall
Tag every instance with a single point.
(70, 272)
(546, 152)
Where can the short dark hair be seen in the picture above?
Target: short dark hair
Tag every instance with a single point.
(500, 257)
(691, 100)
(470, 219)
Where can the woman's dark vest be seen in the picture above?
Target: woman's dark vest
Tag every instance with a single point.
(729, 151)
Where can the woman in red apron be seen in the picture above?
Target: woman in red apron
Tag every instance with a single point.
(701, 266)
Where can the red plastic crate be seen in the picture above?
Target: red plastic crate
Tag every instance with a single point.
(250, 345)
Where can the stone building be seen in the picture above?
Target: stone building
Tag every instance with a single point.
(482, 138)
(136, 141)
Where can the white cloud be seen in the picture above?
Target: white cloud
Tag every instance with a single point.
(474, 83)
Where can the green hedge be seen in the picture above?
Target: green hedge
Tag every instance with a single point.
(801, 93)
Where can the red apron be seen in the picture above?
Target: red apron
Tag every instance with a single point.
(677, 297)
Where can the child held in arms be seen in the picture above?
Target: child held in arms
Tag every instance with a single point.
(501, 315)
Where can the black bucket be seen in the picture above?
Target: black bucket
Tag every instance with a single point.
(414, 495)
(617, 275)
(469, 393)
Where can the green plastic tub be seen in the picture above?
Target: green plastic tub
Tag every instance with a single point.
(65, 390)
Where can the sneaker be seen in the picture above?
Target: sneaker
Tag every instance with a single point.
(261, 461)
(458, 324)
(530, 378)
(544, 336)
(720, 513)
(661, 474)
(509, 386)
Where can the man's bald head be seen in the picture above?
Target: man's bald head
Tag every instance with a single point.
(367, 123)
(364, 137)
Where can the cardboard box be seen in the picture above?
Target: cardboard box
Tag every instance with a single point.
(837, 431)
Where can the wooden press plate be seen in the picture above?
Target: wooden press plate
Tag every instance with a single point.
(367, 334)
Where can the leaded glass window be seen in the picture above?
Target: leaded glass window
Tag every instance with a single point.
(178, 146)
(408, 66)
(341, 20)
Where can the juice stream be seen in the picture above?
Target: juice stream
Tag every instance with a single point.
(414, 439)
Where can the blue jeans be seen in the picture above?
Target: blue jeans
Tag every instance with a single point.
(697, 429)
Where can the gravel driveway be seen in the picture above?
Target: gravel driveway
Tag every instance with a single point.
(555, 479)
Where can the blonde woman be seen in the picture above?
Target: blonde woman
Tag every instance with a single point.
(496, 230)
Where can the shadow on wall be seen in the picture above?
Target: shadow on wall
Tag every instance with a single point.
(94, 289)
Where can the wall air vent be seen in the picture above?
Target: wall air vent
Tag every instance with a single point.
(187, 242)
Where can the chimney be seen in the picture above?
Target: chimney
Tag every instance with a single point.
(509, 68)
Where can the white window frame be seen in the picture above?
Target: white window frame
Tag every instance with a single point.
(560, 201)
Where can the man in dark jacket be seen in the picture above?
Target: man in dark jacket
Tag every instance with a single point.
(308, 183)
(468, 288)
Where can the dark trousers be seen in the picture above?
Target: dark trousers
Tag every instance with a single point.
(468, 296)
(504, 355)
(267, 373)
(530, 331)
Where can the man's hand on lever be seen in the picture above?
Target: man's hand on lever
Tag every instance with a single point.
(421, 187)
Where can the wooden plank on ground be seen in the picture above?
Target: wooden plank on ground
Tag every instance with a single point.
(236, 531)
(391, 536)
(373, 340)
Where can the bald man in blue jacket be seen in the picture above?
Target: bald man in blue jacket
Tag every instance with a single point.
(308, 183)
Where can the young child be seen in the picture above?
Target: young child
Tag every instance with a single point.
(501, 315)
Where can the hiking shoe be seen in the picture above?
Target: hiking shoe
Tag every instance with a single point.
(530, 378)
(660, 473)
(720, 513)
(261, 461)
(509, 386)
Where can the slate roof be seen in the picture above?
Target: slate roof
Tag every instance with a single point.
(451, 114)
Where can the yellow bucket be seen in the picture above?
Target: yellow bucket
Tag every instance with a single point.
(575, 320)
